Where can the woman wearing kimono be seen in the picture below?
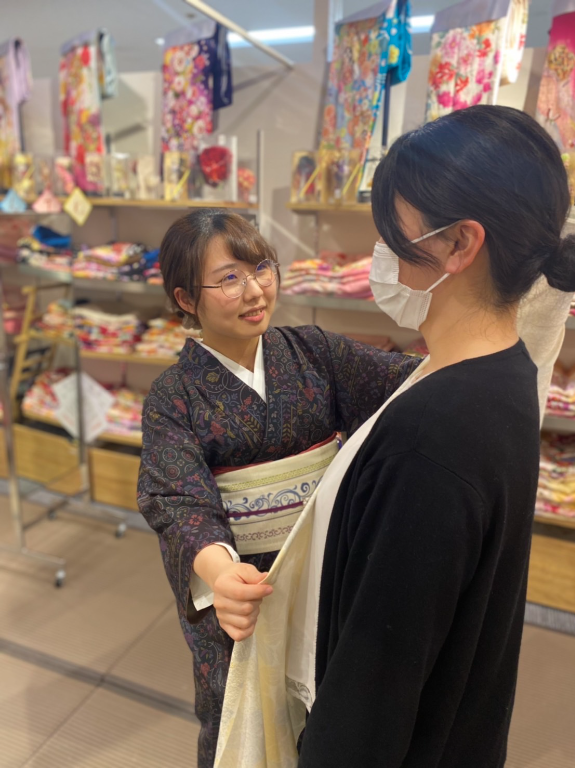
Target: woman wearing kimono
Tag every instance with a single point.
(246, 395)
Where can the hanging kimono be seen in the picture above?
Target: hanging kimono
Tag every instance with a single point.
(197, 80)
(272, 678)
(556, 103)
(87, 75)
(476, 46)
(15, 88)
(366, 49)
(200, 418)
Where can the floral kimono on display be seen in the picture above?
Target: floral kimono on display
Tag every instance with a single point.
(197, 80)
(366, 49)
(476, 46)
(87, 75)
(556, 103)
(199, 418)
(15, 88)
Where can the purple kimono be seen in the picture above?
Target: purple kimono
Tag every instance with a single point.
(199, 416)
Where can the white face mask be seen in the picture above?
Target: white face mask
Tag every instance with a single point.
(403, 304)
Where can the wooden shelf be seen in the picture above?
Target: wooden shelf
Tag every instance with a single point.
(306, 208)
(166, 205)
(134, 440)
(559, 424)
(329, 302)
(129, 358)
(558, 520)
(105, 286)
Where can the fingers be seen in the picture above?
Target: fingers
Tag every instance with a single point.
(225, 605)
(250, 574)
(238, 627)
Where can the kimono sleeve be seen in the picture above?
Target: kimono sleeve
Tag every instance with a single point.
(177, 493)
(364, 378)
(412, 534)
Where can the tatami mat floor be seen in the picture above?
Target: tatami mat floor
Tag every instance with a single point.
(97, 674)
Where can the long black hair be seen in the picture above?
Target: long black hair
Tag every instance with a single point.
(496, 166)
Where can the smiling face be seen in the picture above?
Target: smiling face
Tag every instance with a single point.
(245, 317)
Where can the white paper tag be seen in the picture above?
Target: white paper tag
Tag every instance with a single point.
(97, 402)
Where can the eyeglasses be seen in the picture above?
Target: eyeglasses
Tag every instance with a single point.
(234, 282)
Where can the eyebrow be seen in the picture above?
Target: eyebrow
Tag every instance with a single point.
(231, 265)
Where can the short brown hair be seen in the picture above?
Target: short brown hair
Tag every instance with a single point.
(185, 244)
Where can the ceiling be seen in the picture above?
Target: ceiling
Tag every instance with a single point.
(135, 24)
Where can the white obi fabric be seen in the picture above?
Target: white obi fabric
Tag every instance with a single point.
(263, 501)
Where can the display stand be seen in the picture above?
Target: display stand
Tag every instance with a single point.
(20, 549)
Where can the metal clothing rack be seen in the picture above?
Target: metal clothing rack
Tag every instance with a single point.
(20, 549)
(231, 25)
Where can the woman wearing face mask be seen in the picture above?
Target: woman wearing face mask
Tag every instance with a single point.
(430, 504)
(245, 395)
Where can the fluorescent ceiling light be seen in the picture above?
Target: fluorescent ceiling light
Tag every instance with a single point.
(286, 35)
(282, 35)
(421, 24)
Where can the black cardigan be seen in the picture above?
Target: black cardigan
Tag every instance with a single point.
(424, 575)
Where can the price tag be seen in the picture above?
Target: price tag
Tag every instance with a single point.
(78, 207)
(97, 401)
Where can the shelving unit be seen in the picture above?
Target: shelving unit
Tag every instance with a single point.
(167, 205)
(309, 208)
(134, 440)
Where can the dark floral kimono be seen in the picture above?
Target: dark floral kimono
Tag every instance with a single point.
(199, 416)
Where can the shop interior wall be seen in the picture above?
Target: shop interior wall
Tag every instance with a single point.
(286, 106)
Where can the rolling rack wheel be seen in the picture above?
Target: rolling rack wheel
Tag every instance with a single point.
(121, 530)
(60, 578)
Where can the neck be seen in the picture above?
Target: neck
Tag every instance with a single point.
(241, 351)
(459, 333)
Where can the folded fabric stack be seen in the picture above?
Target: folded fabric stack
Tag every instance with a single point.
(40, 400)
(331, 274)
(104, 261)
(57, 319)
(561, 398)
(104, 332)
(556, 490)
(124, 417)
(118, 261)
(46, 249)
(164, 338)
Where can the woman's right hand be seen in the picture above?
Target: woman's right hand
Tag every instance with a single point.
(238, 593)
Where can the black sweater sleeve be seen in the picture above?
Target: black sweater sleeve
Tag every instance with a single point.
(410, 538)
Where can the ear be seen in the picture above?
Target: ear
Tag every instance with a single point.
(468, 239)
(184, 301)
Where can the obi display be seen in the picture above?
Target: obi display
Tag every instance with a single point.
(87, 75)
(476, 46)
(15, 88)
(556, 102)
(196, 81)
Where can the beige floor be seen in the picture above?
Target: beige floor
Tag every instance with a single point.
(97, 674)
